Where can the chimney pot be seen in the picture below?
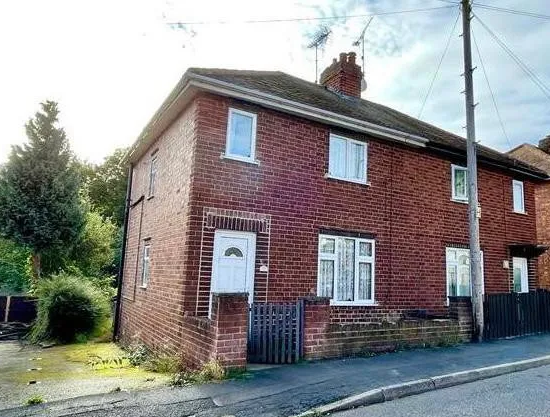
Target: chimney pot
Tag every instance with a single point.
(343, 76)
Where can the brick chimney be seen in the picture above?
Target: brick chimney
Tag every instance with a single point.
(544, 144)
(343, 76)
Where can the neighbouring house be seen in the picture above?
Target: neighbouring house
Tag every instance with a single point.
(253, 191)
(539, 157)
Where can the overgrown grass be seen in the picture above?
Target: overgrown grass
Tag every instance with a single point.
(34, 400)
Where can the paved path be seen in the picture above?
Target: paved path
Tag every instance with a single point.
(523, 394)
(289, 390)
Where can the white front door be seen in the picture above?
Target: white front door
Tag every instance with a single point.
(233, 262)
(521, 280)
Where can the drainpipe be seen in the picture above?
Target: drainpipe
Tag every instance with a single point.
(123, 254)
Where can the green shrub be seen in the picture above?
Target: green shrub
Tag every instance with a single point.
(137, 354)
(69, 308)
(34, 400)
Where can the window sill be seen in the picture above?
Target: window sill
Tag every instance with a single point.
(353, 303)
(456, 200)
(240, 159)
(331, 177)
(150, 197)
(522, 213)
(143, 287)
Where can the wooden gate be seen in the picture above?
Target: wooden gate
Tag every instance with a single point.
(516, 314)
(275, 333)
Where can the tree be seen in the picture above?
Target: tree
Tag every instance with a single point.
(14, 267)
(39, 189)
(106, 187)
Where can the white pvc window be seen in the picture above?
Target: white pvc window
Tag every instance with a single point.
(519, 201)
(146, 265)
(241, 135)
(521, 280)
(459, 183)
(459, 283)
(153, 175)
(347, 159)
(346, 270)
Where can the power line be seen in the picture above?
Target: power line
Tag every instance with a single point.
(224, 22)
(513, 11)
(490, 90)
(438, 66)
(530, 73)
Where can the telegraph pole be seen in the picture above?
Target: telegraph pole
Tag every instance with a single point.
(473, 208)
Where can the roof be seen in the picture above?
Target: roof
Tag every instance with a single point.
(281, 86)
(532, 155)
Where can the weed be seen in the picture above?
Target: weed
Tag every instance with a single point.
(163, 364)
(35, 399)
(137, 354)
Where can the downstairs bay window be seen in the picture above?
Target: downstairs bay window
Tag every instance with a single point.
(346, 270)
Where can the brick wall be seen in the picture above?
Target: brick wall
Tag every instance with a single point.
(542, 201)
(407, 208)
(325, 339)
(223, 337)
(154, 315)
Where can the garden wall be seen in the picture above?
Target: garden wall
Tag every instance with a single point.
(326, 339)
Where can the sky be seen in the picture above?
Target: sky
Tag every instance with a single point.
(110, 63)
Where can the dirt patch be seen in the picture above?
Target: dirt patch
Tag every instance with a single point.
(69, 371)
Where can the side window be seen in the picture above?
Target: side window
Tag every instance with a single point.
(241, 135)
(347, 159)
(146, 265)
(517, 191)
(459, 183)
(153, 174)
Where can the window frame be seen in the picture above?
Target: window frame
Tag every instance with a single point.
(153, 173)
(228, 154)
(357, 260)
(514, 184)
(459, 249)
(348, 168)
(454, 196)
(146, 259)
(523, 263)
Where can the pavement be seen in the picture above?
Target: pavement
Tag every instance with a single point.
(521, 394)
(294, 389)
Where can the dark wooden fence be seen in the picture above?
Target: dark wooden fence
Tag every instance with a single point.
(17, 308)
(516, 314)
(275, 333)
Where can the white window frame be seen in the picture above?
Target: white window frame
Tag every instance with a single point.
(348, 165)
(146, 259)
(358, 259)
(229, 155)
(454, 196)
(521, 209)
(153, 172)
(451, 248)
(523, 263)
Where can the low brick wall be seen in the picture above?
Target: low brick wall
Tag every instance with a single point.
(323, 339)
(460, 309)
(222, 337)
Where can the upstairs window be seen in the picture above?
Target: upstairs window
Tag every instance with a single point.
(347, 159)
(459, 183)
(517, 190)
(241, 136)
(146, 265)
(153, 175)
(346, 270)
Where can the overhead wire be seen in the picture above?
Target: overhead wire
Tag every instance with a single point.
(528, 71)
(513, 11)
(298, 19)
(432, 82)
(490, 90)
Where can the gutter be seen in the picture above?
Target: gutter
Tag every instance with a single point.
(116, 323)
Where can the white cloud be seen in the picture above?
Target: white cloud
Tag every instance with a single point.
(111, 63)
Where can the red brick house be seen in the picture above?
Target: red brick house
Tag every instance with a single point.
(539, 157)
(261, 183)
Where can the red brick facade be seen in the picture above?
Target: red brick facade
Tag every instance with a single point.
(406, 207)
(542, 203)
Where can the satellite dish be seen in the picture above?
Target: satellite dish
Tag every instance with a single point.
(363, 84)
